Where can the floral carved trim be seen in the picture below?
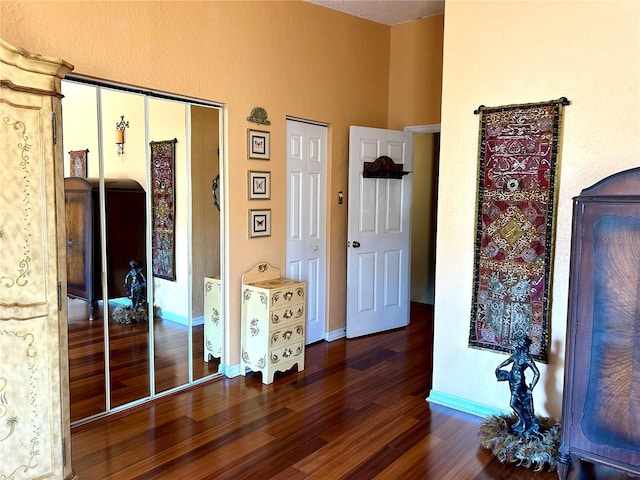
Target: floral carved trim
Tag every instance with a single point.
(6, 402)
(209, 286)
(254, 327)
(215, 316)
(246, 296)
(23, 270)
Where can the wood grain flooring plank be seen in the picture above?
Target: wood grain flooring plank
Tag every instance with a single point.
(357, 412)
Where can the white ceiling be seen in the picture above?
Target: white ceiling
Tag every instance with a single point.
(387, 12)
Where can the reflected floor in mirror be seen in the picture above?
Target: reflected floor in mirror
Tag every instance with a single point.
(356, 412)
(129, 361)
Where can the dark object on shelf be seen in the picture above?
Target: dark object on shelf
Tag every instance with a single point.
(601, 400)
(383, 167)
(521, 393)
(125, 235)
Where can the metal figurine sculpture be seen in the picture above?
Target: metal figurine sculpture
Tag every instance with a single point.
(136, 289)
(521, 394)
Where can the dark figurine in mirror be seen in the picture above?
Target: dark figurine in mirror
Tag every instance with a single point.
(136, 286)
(521, 393)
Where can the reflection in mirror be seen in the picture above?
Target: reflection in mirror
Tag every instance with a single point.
(116, 360)
(125, 192)
(87, 371)
(207, 330)
(167, 124)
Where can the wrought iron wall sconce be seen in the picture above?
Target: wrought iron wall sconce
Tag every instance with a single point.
(120, 126)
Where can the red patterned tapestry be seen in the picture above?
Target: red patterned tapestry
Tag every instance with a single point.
(164, 210)
(518, 156)
(78, 163)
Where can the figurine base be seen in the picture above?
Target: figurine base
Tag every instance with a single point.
(126, 315)
(535, 452)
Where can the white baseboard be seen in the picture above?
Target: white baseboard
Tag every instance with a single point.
(462, 404)
(335, 334)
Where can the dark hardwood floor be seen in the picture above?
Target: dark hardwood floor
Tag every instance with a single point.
(356, 412)
(129, 361)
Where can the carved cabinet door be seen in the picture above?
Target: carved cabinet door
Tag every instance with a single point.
(34, 421)
(601, 400)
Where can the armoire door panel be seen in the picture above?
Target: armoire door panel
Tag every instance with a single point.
(34, 408)
(601, 398)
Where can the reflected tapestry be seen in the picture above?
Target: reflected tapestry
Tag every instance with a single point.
(78, 163)
(163, 205)
(518, 155)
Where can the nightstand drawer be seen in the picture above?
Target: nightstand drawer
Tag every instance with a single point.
(292, 294)
(286, 353)
(287, 315)
(290, 334)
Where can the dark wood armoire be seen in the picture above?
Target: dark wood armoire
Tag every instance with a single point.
(601, 401)
(125, 222)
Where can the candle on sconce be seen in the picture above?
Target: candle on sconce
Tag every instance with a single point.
(119, 136)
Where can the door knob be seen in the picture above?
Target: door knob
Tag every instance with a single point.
(355, 244)
(315, 248)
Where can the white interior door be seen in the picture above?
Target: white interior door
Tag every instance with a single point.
(306, 218)
(379, 234)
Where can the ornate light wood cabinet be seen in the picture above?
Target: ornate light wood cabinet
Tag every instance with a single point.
(125, 234)
(601, 402)
(34, 377)
(213, 320)
(273, 322)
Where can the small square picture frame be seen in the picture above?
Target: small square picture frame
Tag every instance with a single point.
(260, 223)
(259, 185)
(258, 144)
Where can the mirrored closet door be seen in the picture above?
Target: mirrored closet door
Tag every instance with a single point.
(138, 164)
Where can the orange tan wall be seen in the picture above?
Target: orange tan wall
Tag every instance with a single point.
(500, 53)
(291, 58)
(415, 72)
(205, 249)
